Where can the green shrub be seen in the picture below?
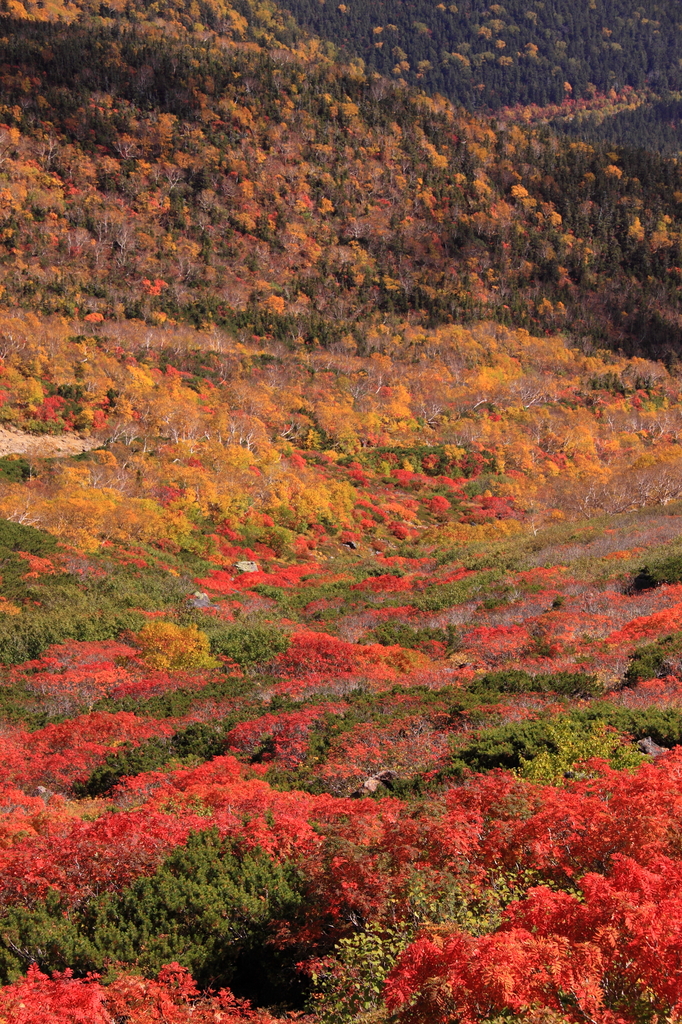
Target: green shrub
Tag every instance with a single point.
(249, 644)
(390, 633)
(147, 589)
(567, 684)
(504, 746)
(198, 741)
(19, 705)
(655, 659)
(27, 636)
(15, 470)
(209, 906)
(663, 725)
(176, 703)
(666, 570)
(17, 537)
(512, 745)
(149, 756)
(447, 595)
(44, 934)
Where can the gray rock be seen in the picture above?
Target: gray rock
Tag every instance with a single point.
(199, 600)
(647, 746)
(247, 566)
(374, 782)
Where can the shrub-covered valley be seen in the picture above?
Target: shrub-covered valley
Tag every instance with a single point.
(340, 540)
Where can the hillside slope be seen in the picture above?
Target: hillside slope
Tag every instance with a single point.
(151, 172)
(493, 55)
(340, 563)
(378, 739)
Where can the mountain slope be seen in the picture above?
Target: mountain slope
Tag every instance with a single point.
(340, 612)
(152, 172)
(492, 56)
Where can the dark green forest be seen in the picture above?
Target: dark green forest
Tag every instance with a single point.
(491, 56)
(655, 126)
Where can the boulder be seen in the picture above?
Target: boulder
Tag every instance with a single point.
(247, 566)
(647, 746)
(374, 782)
(200, 600)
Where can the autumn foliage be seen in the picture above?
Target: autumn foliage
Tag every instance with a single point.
(340, 558)
(167, 646)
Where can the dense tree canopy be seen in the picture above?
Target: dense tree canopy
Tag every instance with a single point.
(193, 177)
(489, 55)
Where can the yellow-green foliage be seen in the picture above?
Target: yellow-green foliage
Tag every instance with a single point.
(575, 746)
(169, 647)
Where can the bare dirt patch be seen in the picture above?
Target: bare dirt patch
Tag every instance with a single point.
(45, 446)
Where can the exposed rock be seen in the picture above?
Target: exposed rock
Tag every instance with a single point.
(199, 600)
(17, 442)
(374, 782)
(247, 566)
(647, 746)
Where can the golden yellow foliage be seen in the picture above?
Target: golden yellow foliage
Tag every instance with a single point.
(169, 647)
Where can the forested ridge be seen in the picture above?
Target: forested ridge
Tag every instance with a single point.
(493, 55)
(153, 175)
(549, 61)
(341, 649)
